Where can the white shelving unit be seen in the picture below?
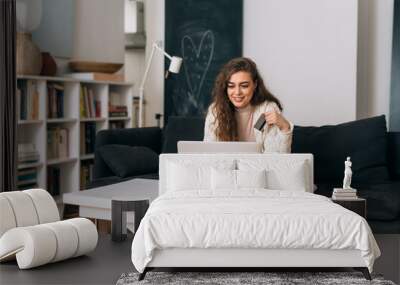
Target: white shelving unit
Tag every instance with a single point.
(36, 131)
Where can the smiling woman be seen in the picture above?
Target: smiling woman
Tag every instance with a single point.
(239, 99)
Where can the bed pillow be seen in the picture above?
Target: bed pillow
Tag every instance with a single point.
(126, 161)
(186, 175)
(291, 179)
(281, 174)
(226, 179)
(223, 179)
(251, 178)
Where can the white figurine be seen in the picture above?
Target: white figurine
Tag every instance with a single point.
(347, 174)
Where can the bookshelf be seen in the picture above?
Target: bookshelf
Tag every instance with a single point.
(58, 119)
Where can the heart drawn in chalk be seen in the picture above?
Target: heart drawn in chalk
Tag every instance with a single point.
(197, 60)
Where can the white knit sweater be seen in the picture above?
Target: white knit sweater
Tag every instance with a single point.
(271, 137)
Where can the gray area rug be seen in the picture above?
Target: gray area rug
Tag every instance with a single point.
(229, 278)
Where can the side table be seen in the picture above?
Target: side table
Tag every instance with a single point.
(357, 205)
(119, 207)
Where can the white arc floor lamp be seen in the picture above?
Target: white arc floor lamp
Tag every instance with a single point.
(174, 67)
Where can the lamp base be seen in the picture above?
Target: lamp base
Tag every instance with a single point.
(29, 58)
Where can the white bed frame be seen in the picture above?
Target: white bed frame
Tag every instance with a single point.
(251, 258)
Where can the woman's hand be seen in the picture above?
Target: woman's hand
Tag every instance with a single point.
(275, 118)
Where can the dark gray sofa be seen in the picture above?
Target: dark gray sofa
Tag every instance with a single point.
(375, 155)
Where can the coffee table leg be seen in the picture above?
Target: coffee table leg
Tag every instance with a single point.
(118, 216)
(117, 221)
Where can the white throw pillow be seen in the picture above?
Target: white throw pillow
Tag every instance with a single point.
(251, 178)
(281, 174)
(223, 179)
(185, 175)
(291, 179)
(226, 179)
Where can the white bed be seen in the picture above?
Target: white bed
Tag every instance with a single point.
(201, 219)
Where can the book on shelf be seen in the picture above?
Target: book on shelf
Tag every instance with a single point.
(87, 137)
(116, 125)
(27, 178)
(117, 114)
(27, 100)
(53, 180)
(135, 110)
(57, 143)
(117, 111)
(27, 153)
(341, 190)
(98, 76)
(55, 101)
(89, 107)
(344, 194)
(86, 174)
(335, 197)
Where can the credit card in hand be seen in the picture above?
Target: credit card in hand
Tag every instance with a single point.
(260, 123)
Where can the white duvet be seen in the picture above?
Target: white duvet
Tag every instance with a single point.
(252, 218)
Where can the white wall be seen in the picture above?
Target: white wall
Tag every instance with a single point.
(374, 57)
(99, 31)
(154, 90)
(307, 52)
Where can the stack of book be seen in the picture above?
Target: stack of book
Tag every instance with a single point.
(27, 153)
(55, 101)
(53, 180)
(136, 101)
(27, 178)
(86, 173)
(27, 100)
(344, 194)
(89, 107)
(87, 137)
(117, 111)
(57, 143)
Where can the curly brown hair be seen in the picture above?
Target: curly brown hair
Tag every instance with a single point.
(223, 110)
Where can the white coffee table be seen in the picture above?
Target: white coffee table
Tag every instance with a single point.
(96, 203)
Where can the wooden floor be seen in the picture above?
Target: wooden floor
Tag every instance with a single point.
(102, 266)
(111, 259)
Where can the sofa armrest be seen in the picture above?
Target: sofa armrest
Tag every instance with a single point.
(394, 154)
(150, 137)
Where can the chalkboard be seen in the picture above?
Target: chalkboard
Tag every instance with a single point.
(206, 34)
(394, 121)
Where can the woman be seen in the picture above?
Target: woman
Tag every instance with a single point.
(239, 99)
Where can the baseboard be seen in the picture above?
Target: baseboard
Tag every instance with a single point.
(389, 262)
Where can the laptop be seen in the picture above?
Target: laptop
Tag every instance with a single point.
(218, 147)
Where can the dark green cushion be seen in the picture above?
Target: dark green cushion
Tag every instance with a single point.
(365, 141)
(182, 129)
(126, 161)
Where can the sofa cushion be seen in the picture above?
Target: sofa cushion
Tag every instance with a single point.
(394, 154)
(365, 141)
(182, 129)
(383, 199)
(116, 179)
(127, 161)
(385, 227)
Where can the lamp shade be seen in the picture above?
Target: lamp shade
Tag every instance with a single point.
(175, 64)
(29, 14)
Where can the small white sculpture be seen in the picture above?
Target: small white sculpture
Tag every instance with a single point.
(347, 174)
